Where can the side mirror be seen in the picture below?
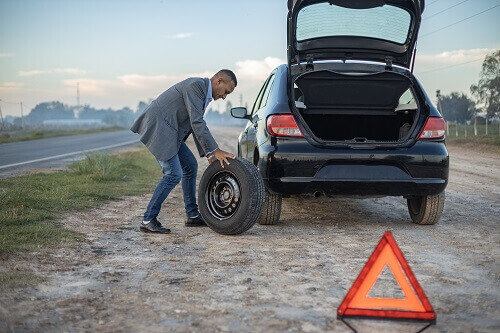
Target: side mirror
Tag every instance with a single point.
(240, 112)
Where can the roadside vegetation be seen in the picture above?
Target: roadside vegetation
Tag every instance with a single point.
(475, 122)
(464, 134)
(31, 203)
(24, 135)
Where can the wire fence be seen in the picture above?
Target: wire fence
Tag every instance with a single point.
(454, 129)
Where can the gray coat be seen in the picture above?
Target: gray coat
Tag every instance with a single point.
(175, 114)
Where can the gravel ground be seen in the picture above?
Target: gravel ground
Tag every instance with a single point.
(287, 277)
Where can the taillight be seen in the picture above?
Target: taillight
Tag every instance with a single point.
(283, 125)
(434, 128)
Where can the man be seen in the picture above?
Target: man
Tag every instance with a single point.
(164, 127)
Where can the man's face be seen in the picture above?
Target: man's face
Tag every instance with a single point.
(222, 88)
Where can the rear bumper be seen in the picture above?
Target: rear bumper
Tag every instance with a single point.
(295, 167)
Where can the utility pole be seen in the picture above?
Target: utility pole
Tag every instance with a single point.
(486, 118)
(241, 99)
(22, 116)
(76, 111)
(78, 94)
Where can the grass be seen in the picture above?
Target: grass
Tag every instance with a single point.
(464, 134)
(19, 280)
(25, 135)
(31, 203)
(474, 140)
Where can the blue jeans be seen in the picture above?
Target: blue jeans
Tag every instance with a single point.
(182, 166)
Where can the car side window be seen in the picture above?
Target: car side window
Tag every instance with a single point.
(265, 96)
(406, 98)
(259, 96)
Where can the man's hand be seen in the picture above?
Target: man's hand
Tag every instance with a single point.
(220, 155)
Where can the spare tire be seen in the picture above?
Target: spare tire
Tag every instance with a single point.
(230, 199)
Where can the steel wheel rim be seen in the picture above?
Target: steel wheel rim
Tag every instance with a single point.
(223, 195)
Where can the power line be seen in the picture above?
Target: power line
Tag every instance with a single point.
(446, 67)
(432, 3)
(484, 11)
(444, 10)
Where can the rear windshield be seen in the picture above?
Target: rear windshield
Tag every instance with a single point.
(324, 20)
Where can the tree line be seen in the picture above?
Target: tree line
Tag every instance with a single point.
(458, 107)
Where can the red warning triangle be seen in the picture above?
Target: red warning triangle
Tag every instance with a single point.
(414, 305)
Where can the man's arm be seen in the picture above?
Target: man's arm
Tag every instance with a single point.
(194, 99)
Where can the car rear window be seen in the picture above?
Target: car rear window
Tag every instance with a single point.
(324, 20)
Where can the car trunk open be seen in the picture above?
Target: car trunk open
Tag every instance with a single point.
(356, 107)
(371, 30)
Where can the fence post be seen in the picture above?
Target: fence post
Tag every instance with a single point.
(486, 123)
(456, 128)
(475, 125)
(465, 126)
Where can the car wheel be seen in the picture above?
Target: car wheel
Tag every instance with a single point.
(272, 209)
(231, 198)
(426, 209)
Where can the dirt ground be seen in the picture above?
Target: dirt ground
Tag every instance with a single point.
(288, 277)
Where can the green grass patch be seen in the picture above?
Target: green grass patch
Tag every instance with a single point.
(31, 203)
(12, 280)
(464, 134)
(474, 140)
(25, 135)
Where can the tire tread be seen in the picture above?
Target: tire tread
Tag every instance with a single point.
(271, 211)
(430, 210)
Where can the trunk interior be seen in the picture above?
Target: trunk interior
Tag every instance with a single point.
(356, 107)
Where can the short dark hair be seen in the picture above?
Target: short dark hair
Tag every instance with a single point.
(228, 73)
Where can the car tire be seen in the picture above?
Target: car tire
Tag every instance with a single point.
(426, 209)
(272, 209)
(231, 198)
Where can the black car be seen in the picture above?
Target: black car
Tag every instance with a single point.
(346, 115)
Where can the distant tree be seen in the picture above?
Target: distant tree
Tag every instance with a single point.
(49, 111)
(456, 107)
(487, 90)
(121, 118)
(142, 106)
(229, 106)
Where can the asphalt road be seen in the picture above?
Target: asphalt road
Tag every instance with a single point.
(57, 152)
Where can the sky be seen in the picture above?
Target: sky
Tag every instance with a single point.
(121, 52)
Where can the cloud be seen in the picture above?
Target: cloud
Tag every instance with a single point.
(6, 54)
(256, 70)
(32, 72)
(448, 58)
(8, 85)
(181, 35)
(133, 84)
(73, 71)
(10, 91)
(70, 71)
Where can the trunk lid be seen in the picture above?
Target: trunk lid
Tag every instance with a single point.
(371, 30)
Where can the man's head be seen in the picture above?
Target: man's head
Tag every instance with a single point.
(223, 83)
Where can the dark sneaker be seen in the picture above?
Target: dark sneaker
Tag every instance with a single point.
(154, 226)
(195, 222)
